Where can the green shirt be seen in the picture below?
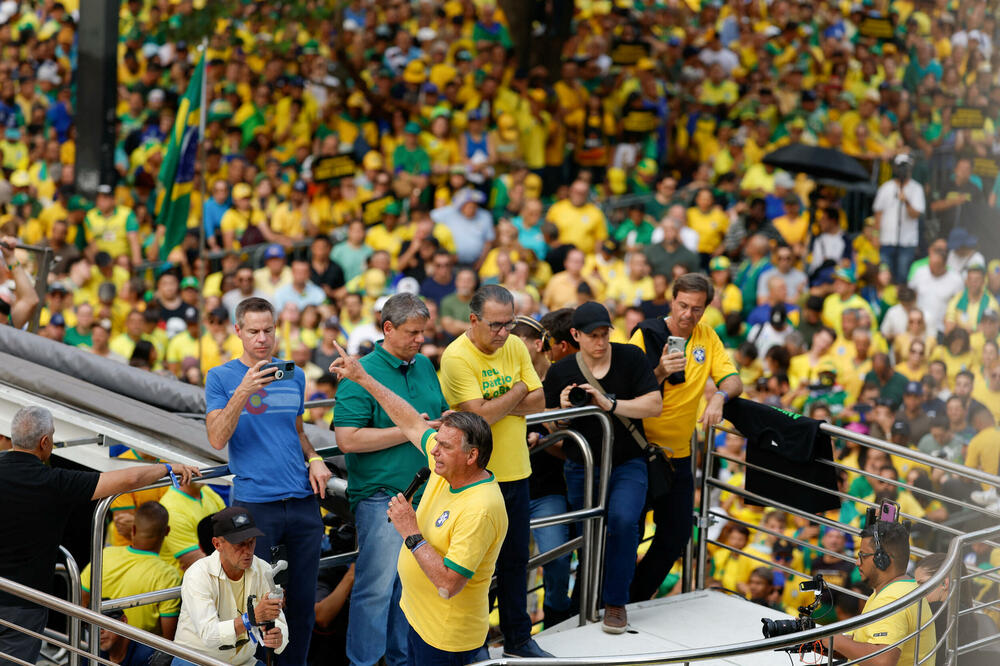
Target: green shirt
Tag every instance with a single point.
(414, 161)
(893, 389)
(454, 307)
(390, 469)
(643, 232)
(75, 338)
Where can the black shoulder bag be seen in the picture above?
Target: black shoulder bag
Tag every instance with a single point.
(659, 468)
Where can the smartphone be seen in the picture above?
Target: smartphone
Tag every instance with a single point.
(675, 343)
(888, 511)
(284, 370)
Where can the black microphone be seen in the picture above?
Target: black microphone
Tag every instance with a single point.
(418, 480)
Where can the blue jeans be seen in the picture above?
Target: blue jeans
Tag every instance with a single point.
(672, 514)
(898, 258)
(512, 565)
(626, 499)
(15, 643)
(555, 574)
(296, 523)
(376, 625)
(419, 653)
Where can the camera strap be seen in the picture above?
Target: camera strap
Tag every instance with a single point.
(625, 421)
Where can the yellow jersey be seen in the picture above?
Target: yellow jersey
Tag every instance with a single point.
(128, 571)
(895, 627)
(466, 526)
(185, 514)
(582, 226)
(706, 358)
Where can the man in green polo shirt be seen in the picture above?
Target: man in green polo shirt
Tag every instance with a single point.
(380, 463)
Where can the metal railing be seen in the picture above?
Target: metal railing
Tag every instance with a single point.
(590, 515)
(97, 621)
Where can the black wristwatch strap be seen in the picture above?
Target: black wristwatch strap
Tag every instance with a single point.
(413, 540)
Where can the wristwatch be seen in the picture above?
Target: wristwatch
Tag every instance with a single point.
(413, 540)
(614, 402)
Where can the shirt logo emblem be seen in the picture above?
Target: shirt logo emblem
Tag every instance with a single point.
(699, 354)
(443, 517)
(255, 403)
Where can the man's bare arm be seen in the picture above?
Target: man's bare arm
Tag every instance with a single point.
(496, 408)
(532, 403)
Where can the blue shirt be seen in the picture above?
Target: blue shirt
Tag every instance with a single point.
(213, 212)
(265, 455)
(531, 238)
(311, 295)
(470, 235)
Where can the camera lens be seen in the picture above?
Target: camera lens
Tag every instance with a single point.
(578, 397)
(774, 628)
(278, 374)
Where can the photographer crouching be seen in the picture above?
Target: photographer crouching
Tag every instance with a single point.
(229, 604)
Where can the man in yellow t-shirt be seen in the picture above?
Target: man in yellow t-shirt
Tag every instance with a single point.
(580, 222)
(451, 543)
(136, 569)
(704, 358)
(489, 372)
(187, 506)
(882, 560)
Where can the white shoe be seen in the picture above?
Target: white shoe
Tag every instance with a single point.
(984, 497)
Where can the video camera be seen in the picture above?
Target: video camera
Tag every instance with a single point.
(804, 622)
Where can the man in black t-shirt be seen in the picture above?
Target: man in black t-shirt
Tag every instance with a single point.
(628, 389)
(35, 497)
(956, 203)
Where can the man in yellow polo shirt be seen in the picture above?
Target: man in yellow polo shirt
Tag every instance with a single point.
(882, 560)
(451, 543)
(187, 505)
(488, 371)
(580, 222)
(684, 376)
(137, 569)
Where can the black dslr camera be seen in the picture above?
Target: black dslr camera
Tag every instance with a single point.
(804, 622)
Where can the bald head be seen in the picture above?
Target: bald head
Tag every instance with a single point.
(150, 526)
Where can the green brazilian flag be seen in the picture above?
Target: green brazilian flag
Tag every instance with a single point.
(177, 171)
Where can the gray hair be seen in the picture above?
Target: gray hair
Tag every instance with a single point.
(401, 308)
(476, 434)
(252, 304)
(28, 427)
(489, 292)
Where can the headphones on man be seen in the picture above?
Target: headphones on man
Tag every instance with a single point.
(881, 559)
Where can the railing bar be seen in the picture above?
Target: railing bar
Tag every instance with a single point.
(823, 520)
(789, 570)
(795, 540)
(555, 553)
(978, 643)
(51, 641)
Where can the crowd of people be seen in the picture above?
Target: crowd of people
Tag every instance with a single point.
(504, 233)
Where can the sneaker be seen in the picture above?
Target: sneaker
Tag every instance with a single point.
(984, 497)
(615, 619)
(526, 650)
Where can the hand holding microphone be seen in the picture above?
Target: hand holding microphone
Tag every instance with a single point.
(418, 480)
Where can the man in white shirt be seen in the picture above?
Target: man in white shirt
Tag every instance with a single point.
(936, 285)
(898, 205)
(216, 617)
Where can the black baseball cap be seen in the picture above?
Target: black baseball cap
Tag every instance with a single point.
(235, 525)
(589, 316)
(913, 388)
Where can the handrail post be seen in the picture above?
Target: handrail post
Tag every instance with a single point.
(689, 567)
(73, 623)
(954, 606)
(97, 567)
(597, 565)
(704, 509)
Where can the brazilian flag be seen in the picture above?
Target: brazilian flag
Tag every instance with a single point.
(177, 171)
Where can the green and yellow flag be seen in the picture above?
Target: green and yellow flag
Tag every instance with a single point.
(177, 171)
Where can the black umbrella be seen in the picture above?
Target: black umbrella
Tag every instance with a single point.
(817, 162)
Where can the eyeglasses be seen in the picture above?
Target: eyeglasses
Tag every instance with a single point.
(861, 555)
(495, 326)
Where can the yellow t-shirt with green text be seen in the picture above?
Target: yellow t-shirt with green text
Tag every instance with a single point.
(893, 628)
(128, 571)
(706, 359)
(466, 526)
(469, 374)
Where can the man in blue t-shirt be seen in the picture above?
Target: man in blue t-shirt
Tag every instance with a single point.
(277, 473)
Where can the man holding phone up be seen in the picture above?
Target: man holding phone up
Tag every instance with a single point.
(277, 473)
(685, 355)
